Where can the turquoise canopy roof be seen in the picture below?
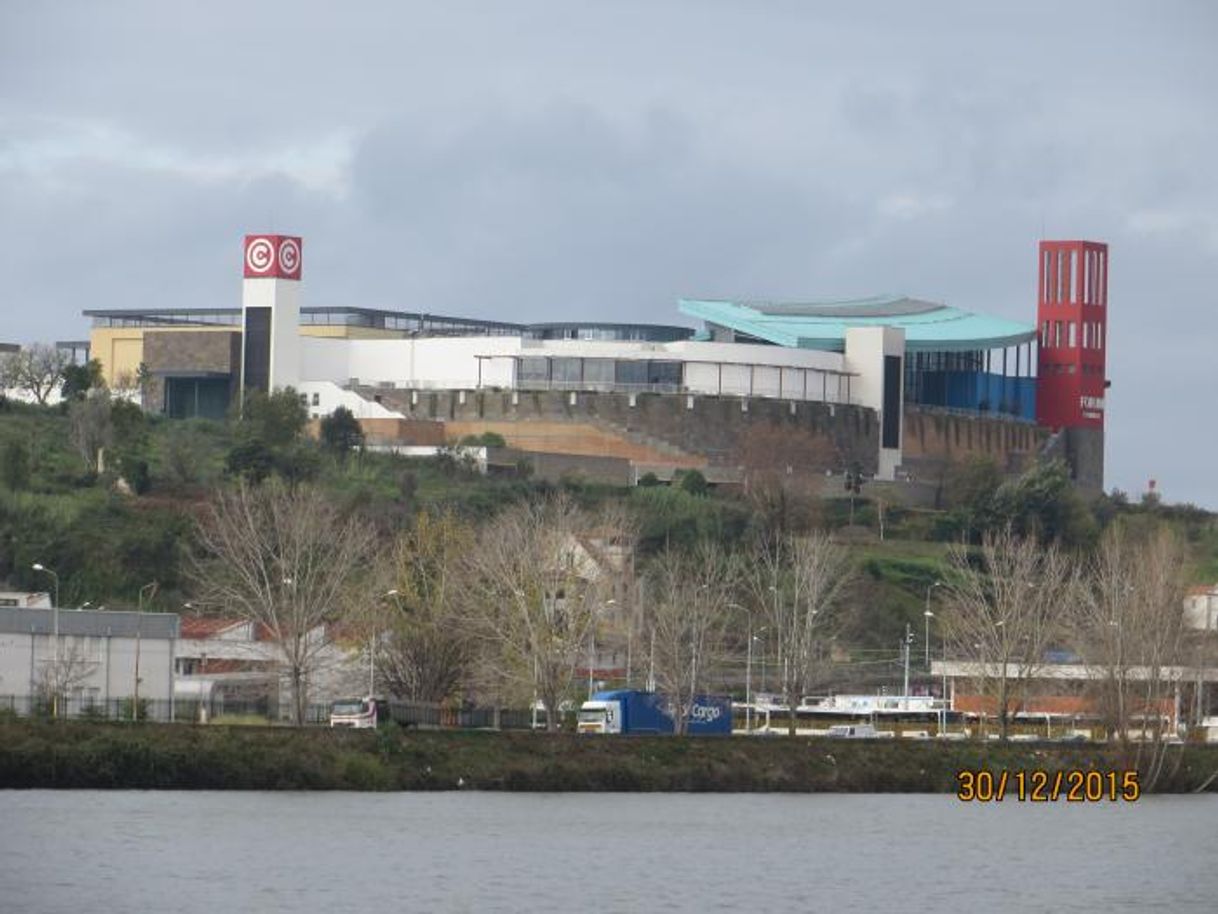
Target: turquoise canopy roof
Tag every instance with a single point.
(928, 326)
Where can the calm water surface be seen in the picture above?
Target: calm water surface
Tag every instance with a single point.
(84, 851)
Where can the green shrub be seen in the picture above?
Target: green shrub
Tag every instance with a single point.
(15, 465)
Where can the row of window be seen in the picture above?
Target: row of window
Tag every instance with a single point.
(598, 371)
(1071, 368)
(1062, 283)
(1056, 334)
(1061, 368)
(608, 332)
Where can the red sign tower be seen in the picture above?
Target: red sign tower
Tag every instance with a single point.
(272, 257)
(1072, 317)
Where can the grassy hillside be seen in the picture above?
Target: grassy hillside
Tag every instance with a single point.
(106, 544)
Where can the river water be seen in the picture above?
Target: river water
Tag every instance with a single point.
(85, 851)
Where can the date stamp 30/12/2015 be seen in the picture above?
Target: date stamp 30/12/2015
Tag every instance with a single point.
(1073, 785)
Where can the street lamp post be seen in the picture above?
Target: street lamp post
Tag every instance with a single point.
(928, 615)
(905, 646)
(764, 647)
(372, 650)
(38, 566)
(592, 650)
(139, 617)
(748, 684)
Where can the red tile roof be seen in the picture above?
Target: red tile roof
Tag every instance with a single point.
(199, 627)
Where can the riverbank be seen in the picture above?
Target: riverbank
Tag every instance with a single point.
(42, 754)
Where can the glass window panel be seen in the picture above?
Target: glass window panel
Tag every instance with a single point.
(664, 372)
(631, 372)
(534, 369)
(598, 371)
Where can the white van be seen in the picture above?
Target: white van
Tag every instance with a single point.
(852, 731)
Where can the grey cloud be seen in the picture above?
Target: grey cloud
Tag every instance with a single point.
(537, 160)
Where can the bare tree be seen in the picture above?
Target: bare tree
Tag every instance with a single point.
(37, 370)
(689, 596)
(783, 474)
(285, 559)
(91, 428)
(60, 675)
(612, 543)
(428, 648)
(1001, 609)
(797, 585)
(539, 590)
(1129, 628)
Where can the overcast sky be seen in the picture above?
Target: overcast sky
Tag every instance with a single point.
(538, 161)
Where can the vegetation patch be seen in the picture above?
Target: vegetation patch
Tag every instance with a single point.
(150, 756)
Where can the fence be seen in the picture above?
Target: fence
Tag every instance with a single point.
(434, 716)
(265, 711)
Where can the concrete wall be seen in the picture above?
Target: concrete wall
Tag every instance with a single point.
(933, 439)
(1085, 456)
(716, 428)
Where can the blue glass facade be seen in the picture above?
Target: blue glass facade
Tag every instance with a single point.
(976, 391)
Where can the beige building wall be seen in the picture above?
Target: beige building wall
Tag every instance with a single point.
(340, 332)
(121, 349)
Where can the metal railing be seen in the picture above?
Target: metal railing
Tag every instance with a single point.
(267, 711)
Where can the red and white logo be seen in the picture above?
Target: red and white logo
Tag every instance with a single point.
(272, 257)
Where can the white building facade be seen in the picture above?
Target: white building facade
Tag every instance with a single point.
(99, 661)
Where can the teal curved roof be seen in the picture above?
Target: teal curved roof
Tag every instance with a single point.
(928, 326)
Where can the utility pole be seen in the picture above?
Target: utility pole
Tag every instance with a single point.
(905, 646)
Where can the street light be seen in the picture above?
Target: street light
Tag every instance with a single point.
(38, 566)
(392, 592)
(928, 615)
(592, 649)
(139, 616)
(748, 683)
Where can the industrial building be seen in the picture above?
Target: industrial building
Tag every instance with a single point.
(88, 659)
(896, 386)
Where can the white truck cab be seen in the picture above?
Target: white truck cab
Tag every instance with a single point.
(599, 717)
(357, 713)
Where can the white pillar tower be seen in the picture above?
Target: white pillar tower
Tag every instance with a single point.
(877, 355)
(270, 313)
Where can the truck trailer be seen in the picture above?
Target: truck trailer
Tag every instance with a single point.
(631, 711)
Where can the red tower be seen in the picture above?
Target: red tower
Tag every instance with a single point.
(1073, 320)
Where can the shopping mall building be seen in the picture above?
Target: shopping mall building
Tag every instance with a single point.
(899, 387)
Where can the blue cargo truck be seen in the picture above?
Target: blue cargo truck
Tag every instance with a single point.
(631, 711)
